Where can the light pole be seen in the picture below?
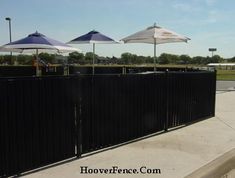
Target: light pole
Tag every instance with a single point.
(212, 50)
(9, 20)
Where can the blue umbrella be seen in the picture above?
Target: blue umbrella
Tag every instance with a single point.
(37, 41)
(93, 37)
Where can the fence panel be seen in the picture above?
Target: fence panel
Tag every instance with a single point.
(191, 96)
(37, 123)
(204, 96)
(49, 119)
(3, 120)
(52, 70)
(12, 71)
(122, 108)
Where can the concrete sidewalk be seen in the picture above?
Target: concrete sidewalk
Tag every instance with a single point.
(225, 85)
(176, 153)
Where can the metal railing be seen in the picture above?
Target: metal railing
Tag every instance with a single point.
(44, 120)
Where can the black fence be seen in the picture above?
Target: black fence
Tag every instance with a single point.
(49, 119)
(121, 69)
(12, 71)
(37, 123)
(123, 108)
(52, 70)
(22, 71)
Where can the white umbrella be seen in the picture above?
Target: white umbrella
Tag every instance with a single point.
(155, 35)
(37, 41)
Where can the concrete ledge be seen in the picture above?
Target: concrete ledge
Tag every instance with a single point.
(221, 167)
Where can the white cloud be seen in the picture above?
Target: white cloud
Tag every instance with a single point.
(207, 2)
(181, 6)
(212, 17)
(210, 2)
(190, 7)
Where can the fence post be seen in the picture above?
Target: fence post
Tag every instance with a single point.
(78, 122)
(214, 93)
(78, 131)
(124, 70)
(167, 99)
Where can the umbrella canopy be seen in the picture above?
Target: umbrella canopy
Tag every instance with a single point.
(3, 49)
(155, 35)
(37, 41)
(93, 37)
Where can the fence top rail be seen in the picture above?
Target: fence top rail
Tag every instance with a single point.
(192, 72)
(38, 78)
(105, 75)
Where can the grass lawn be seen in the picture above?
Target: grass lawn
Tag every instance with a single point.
(225, 74)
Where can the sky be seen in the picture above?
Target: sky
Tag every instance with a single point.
(208, 23)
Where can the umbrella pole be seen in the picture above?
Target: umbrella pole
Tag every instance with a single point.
(93, 60)
(37, 66)
(155, 55)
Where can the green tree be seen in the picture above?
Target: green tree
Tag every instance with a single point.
(140, 59)
(232, 59)
(89, 57)
(149, 59)
(134, 59)
(185, 59)
(24, 59)
(7, 60)
(173, 59)
(48, 58)
(163, 59)
(76, 57)
(126, 58)
(216, 59)
(198, 60)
